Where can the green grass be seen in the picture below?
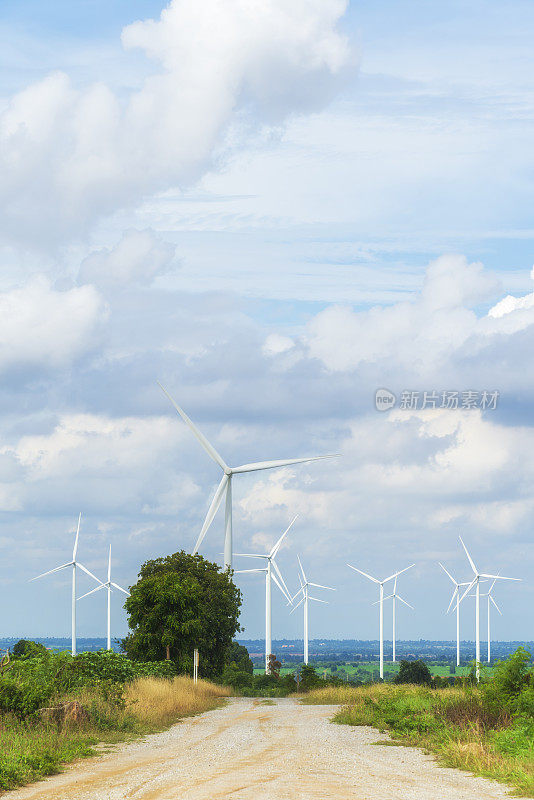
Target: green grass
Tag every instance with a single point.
(455, 724)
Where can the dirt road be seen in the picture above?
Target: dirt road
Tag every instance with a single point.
(253, 750)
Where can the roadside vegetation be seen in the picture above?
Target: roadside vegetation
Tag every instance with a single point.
(55, 708)
(486, 729)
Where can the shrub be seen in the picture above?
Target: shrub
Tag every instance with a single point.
(415, 672)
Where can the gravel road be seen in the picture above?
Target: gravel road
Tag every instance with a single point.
(254, 750)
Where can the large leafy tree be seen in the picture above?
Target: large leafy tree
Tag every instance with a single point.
(178, 603)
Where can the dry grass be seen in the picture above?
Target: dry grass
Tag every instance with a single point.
(160, 701)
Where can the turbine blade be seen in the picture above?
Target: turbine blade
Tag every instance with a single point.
(298, 604)
(454, 594)
(116, 585)
(281, 578)
(75, 549)
(81, 566)
(50, 571)
(302, 570)
(500, 577)
(259, 465)
(404, 601)
(495, 604)
(276, 547)
(212, 510)
(297, 594)
(210, 450)
(448, 573)
(317, 600)
(467, 590)
(363, 573)
(396, 574)
(376, 602)
(277, 582)
(468, 556)
(250, 555)
(320, 586)
(240, 571)
(96, 589)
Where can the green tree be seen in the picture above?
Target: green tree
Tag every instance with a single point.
(238, 658)
(25, 647)
(414, 672)
(181, 602)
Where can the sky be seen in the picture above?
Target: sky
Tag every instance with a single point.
(275, 210)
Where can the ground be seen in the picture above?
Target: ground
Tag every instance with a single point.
(254, 750)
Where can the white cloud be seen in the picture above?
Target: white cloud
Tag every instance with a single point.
(275, 344)
(69, 155)
(138, 258)
(123, 464)
(44, 328)
(422, 334)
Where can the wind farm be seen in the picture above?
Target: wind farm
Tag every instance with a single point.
(266, 309)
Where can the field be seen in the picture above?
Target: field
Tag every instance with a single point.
(369, 670)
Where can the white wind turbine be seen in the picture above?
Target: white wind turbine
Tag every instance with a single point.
(304, 584)
(476, 584)
(381, 606)
(394, 596)
(225, 485)
(107, 585)
(270, 576)
(455, 596)
(73, 564)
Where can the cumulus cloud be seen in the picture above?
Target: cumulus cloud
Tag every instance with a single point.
(422, 334)
(122, 465)
(138, 258)
(69, 155)
(44, 328)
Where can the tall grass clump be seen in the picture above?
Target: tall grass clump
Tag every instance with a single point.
(158, 701)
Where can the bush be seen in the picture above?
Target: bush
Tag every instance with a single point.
(414, 672)
(25, 647)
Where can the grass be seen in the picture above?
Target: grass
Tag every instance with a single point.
(454, 724)
(32, 750)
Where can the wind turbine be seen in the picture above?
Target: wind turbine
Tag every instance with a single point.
(225, 486)
(394, 596)
(107, 585)
(490, 601)
(455, 595)
(270, 576)
(73, 564)
(304, 584)
(476, 583)
(381, 605)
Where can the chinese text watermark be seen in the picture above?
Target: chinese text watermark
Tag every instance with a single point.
(485, 400)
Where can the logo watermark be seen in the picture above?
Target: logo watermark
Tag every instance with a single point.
(409, 400)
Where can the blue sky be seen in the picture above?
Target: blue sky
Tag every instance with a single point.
(274, 214)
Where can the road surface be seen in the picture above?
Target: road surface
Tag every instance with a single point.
(254, 750)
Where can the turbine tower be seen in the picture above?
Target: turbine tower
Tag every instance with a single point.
(270, 576)
(455, 595)
(394, 596)
(73, 564)
(304, 584)
(476, 584)
(225, 486)
(381, 605)
(107, 585)
(490, 601)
